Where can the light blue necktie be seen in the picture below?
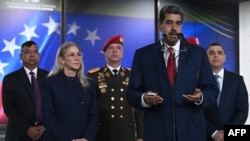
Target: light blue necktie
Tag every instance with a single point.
(218, 85)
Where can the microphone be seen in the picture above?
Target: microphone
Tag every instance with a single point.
(182, 38)
(184, 41)
(163, 47)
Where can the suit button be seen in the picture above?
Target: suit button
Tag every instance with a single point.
(121, 98)
(81, 102)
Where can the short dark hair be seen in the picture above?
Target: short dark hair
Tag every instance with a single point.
(215, 44)
(28, 43)
(170, 9)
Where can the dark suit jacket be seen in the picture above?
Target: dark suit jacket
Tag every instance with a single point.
(19, 104)
(116, 116)
(149, 74)
(68, 109)
(233, 108)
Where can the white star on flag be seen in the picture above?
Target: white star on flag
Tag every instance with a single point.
(73, 28)
(10, 46)
(52, 26)
(29, 32)
(92, 36)
(2, 65)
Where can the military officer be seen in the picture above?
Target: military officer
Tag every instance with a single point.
(118, 121)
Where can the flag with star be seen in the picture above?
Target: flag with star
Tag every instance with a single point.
(43, 27)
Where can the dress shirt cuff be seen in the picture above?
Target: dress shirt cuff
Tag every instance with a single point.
(199, 102)
(212, 136)
(143, 103)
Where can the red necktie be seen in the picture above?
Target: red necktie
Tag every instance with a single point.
(171, 67)
(37, 96)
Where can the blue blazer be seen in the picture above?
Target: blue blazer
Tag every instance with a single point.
(68, 109)
(233, 108)
(149, 74)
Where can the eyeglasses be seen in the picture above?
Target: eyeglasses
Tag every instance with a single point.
(72, 55)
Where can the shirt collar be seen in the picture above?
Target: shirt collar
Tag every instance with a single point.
(176, 46)
(111, 68)
(220, 73)
(28, 71)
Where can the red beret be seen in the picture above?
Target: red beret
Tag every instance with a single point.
(193, 40)
(114, 39)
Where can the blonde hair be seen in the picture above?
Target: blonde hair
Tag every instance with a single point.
(58, 67)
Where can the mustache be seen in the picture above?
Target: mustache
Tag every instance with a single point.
(173, 33)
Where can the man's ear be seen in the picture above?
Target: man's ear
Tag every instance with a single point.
(21, 56)
(160, 26)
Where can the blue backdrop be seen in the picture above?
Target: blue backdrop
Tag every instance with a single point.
(90, 31)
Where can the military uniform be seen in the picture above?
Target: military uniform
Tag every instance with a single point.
(116, 117)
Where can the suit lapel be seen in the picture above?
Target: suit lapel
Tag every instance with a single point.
(160, 65)
(25, 80)
(182, 64)
(157, 55)
(183, 59)
(224, 90)
(109, 77)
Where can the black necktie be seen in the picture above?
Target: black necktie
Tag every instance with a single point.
(115, 71)
(37, 97)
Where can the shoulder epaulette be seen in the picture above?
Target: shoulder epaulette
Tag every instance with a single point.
(94, 70)
(126, 68)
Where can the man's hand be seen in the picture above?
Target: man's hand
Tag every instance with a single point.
(152, 98)
(219, 136)
(35, 132)
(195, 97)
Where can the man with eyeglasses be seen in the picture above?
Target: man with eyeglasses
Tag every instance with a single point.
(118, 121)
(18, 97)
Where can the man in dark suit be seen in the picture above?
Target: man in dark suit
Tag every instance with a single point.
(232, 102)
(118, 121)
(18, 97)
(173, 108)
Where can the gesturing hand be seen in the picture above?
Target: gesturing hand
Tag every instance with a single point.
(195, 97)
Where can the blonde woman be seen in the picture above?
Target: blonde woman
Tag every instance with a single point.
(69, 105)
